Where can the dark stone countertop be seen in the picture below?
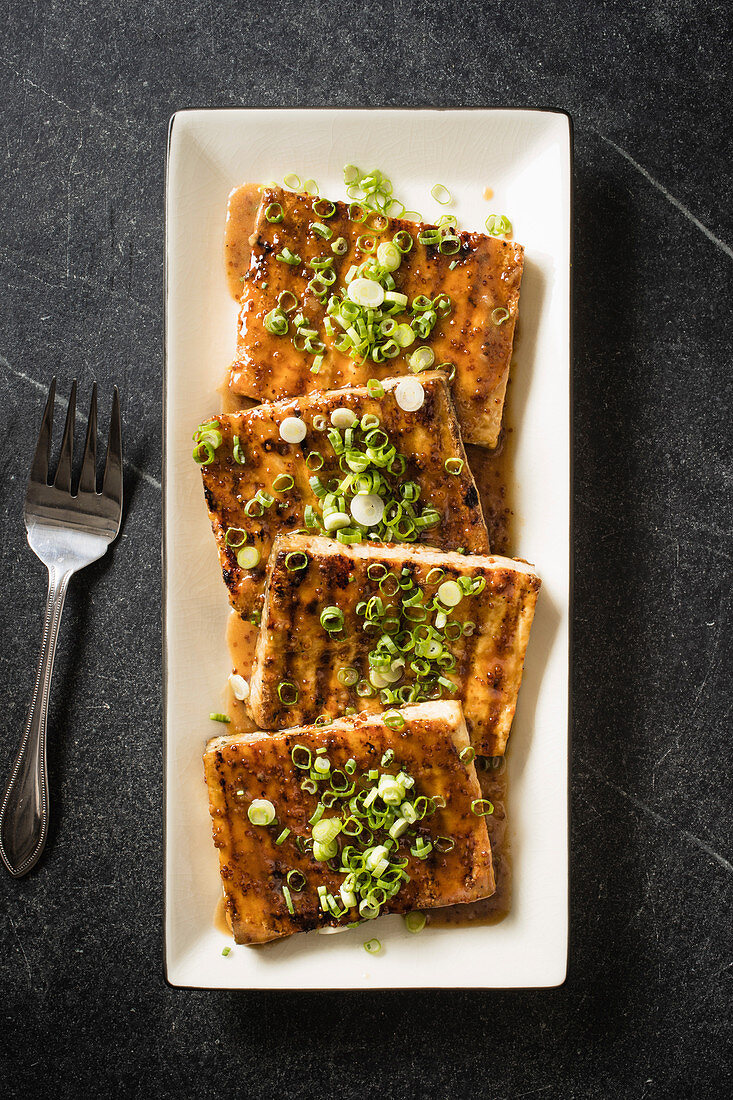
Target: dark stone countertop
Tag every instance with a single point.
(645, 1012)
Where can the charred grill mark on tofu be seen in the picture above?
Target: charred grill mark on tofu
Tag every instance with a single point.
(253, 868)
(292, 644)
(486, 275)
(426, 438)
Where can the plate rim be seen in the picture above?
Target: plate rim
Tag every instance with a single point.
(424, 109)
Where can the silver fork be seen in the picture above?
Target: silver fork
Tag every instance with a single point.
(67, 533)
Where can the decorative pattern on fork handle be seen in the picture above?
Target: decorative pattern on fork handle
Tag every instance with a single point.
(67, 533)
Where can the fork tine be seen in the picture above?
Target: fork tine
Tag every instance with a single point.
(88, 479)
(42, 456)
(63, 471)
(112, 484)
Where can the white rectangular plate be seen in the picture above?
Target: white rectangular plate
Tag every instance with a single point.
(525, 157)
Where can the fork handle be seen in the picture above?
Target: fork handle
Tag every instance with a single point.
(24, 810)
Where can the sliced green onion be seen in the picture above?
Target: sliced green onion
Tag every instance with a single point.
(287, 693)
(347, 676)
(301, 762)
(248, 557)
(482, 807)
(285, 303)
(274, 212)
(323, 231)
(499, 315)
(216, 717)
(454, 466)
(295, 561)
(332, 619)
(403, 241)
(372, 946)
(237, 452)
(283, 483)
(288, 900)
(292, 181)
(323, 208)
(498, 225)
(283, 836)
(415, 921)
(394, 719)
(421, 359)
(235, 537)
(441, 194)
(261, 811)
(449, 245)
(226, 951)
(295, 880)
(288, 257)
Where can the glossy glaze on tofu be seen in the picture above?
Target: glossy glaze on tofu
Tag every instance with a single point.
(484, 276)
(294, 647)
(426, 438)
(253, 867)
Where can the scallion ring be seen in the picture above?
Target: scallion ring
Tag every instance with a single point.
(441, 194)
(248, 557)
(415, 921)
(235, 537)
(453, 466)
(287, 693)
(261, 811)
(283, 483)
(332, 619)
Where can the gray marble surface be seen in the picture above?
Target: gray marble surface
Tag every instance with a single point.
(87, 93)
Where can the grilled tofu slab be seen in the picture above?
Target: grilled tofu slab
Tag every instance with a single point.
(427, 438)
(441, 638)
(482, 277)
(254, 867)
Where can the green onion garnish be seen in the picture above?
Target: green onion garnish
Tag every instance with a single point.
(498, 225)
(323, 231)
(283, 836)
(482, 807)
(274, 212)
(303, 756)
(261, 811)
(287, 693)
(499, 315)
(276, 322)
(288, 900)
(323, 208)
(216, 717)
(296, 881)
(441, 194)
(415, 921)
(295, 561)
(235, 537)
(332, 619)
(372, 946)
(288, 257)
(292, 181)
(248, 557)
(394, 719)
(453, 466)
(283, 483)
(226, 951)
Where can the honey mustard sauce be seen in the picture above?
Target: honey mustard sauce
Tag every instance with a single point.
(492, 471)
